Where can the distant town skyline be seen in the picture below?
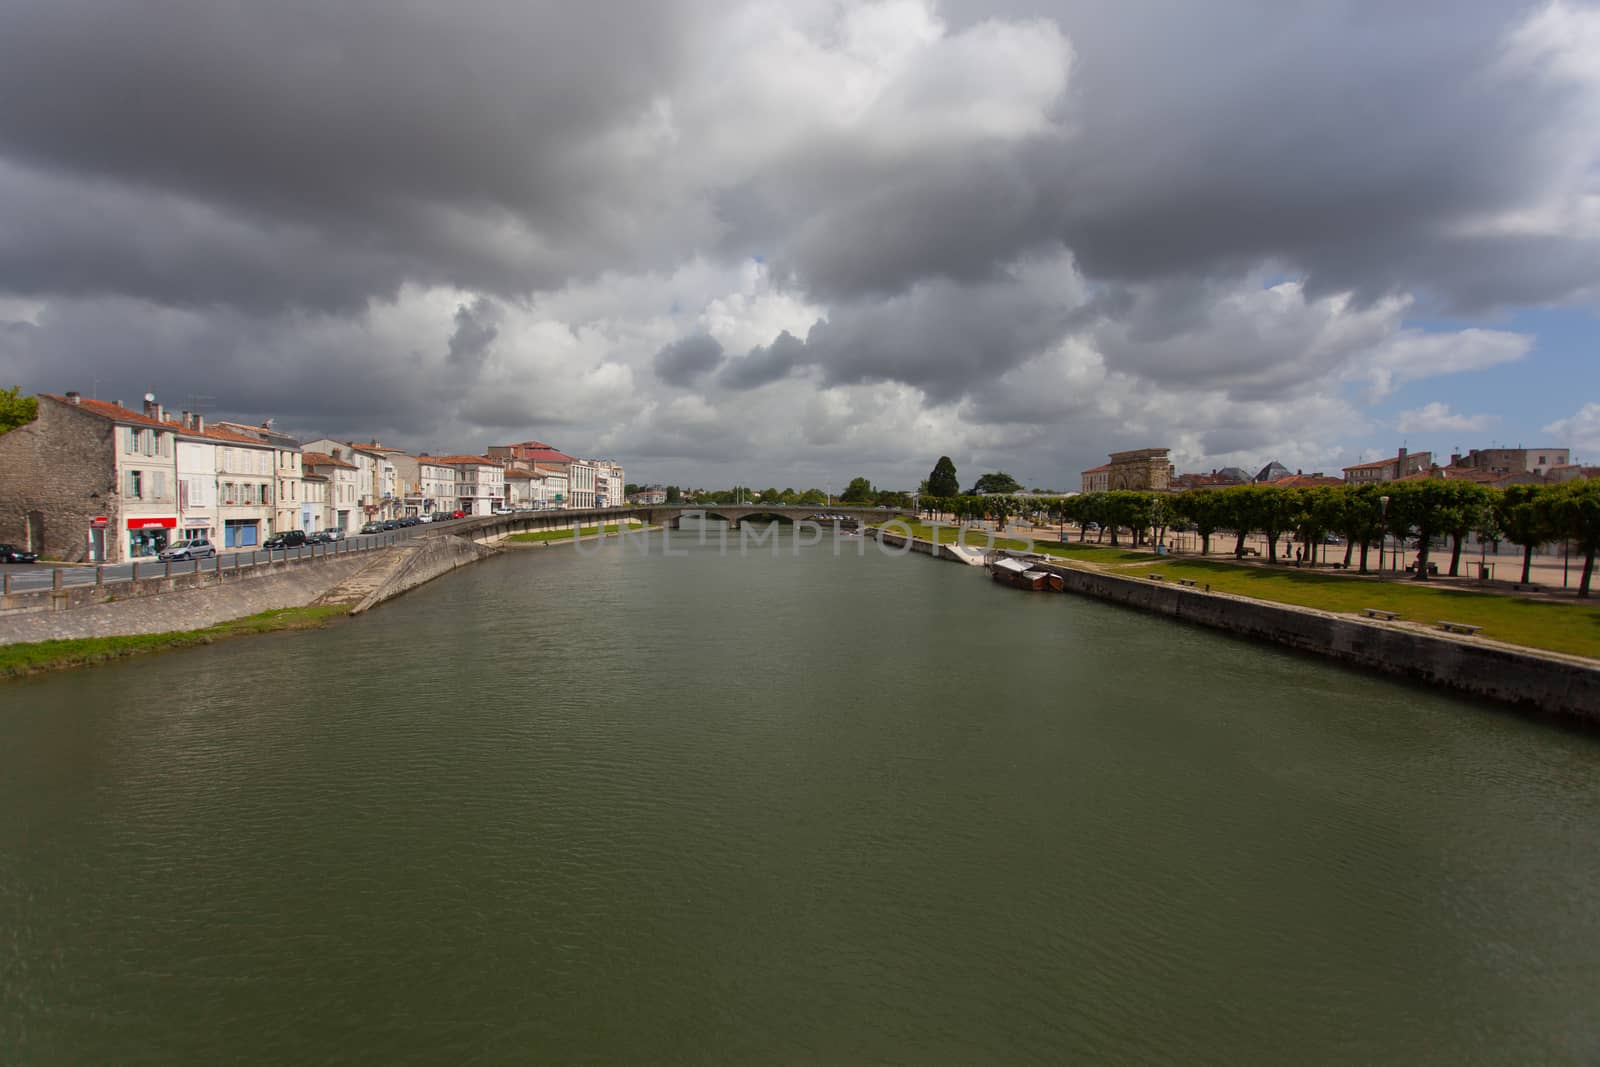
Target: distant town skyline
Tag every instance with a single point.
(794, 244)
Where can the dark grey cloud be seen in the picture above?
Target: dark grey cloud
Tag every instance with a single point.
(765, 364)
(222, 196)
(941, 336)
(687, 359)
(475, 332)
(318, 154)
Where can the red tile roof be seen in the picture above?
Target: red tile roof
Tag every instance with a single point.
(461, 461)
(1097, 470)
(1374, 463)
(117, 413)
(322, 459)
(1303, 481)
(536, 452)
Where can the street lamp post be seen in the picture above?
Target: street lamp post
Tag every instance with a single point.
(1383, 508)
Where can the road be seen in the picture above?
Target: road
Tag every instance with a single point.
(25, 577)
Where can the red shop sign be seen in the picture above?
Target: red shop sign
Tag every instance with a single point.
(152, 524)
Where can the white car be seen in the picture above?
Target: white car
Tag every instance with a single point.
(198, 548)
(503, 510)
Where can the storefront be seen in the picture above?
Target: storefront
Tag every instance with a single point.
(241, 533)
(146, 537)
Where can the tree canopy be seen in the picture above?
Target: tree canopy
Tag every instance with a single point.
(942, 482)
(16, 409)
(998, 482)
(859, 491)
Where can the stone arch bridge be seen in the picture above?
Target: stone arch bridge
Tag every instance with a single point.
(493, 527)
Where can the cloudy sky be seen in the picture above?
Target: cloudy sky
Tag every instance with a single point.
(794, 241)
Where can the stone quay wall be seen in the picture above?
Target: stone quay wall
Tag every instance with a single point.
(184, 602)
(1547, 684)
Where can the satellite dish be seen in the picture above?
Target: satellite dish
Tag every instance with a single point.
(149, 398)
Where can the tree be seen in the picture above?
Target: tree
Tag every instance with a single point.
(16, 409)
(1574, 510)
(1202, 509)
(674, 495)
(942, 482)
(1000, 508)
(1464, 511)
(1523, 514)
(999, 482)
(859, 491)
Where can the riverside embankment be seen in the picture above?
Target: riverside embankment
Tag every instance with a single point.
(1545, 683)
(182, 598)
(205, 598)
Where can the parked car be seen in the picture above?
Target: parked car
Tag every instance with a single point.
(391, 524)
(13, 554)
(458, 514)
(424, 518)
(198, 548)
(442, 516)
(286, 539)
(372, 527)
(333, 533)
(503, 510)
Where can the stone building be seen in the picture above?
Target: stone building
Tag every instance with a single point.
(581, 475)
(1538, 461)
(1097, 479)
(1388, 470)
(288, 469)
(1141, 468)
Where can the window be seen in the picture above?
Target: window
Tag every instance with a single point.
(133, 440)
(1541, 461)
(158, 485)
(135, 486)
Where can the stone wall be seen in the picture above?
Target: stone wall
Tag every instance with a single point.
(423, 560)
(188, 602)
(1545, 683)
(62, 464)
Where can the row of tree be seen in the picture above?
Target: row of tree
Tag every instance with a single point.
(1421, 512)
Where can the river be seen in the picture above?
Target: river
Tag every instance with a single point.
(608, 807)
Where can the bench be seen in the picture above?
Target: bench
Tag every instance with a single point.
(1337, 566)
(1186, 581)
(1459, 627)
(1156, 577)
(1379, 613)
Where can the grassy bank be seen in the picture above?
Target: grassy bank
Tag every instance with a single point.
(1090, 553)
(39, 656)
(1550, 625)
(541, 536)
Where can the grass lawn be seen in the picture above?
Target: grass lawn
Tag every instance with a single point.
(538, 536)
(39, 656)
(1088, 552)
(1554, 626)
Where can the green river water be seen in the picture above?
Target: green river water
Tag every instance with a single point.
(819, 809)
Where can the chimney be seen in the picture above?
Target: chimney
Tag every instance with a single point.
(1455, 459)
(1402, 456)
(151, 408)
(199, 423)
(184, 420)
(73, 398)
